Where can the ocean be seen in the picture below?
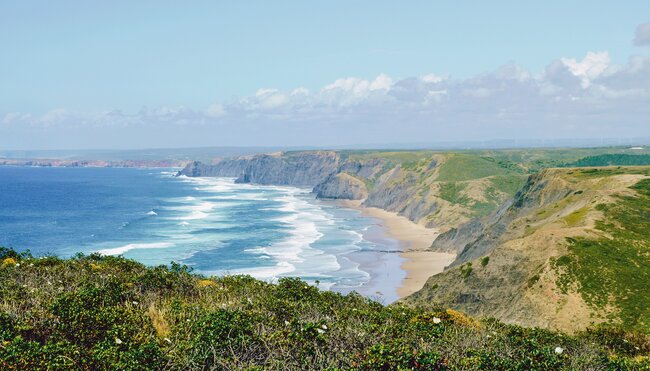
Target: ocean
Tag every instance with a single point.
(212, 225)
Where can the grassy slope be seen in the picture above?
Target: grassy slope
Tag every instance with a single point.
(463, 185)
(614, 270)
(498, 180)
(472, 183)
(582, 259)
(111, 313)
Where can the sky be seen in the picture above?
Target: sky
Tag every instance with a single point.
(142, 74)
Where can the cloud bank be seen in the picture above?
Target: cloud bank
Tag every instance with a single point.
(572, 98)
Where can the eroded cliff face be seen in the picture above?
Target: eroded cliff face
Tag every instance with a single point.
(299, 169)
(402, 191)
(507, 263)
(224, 168)
(403, 182)
(342, 186)
(480, 237)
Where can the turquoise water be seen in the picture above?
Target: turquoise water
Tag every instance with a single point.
(210, 224)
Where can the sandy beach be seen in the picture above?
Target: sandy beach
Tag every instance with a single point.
(419, 264)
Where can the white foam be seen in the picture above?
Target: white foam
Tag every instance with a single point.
(267, 273)
(132, 246)
(358, 237)
(306, 222)
(198, 211)
(295, 254)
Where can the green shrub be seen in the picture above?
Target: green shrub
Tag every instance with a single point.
(112, 313)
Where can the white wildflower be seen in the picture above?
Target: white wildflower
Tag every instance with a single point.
(286, 323)
(324, 327)
(17, 264)
(436, 320)
(167, 340)
(135, 302)
(320, 331)
(118, 341)
(559, 350)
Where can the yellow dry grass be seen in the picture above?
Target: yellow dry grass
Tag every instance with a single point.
(9, 261)
(205, 283)
(459, 318)
(158, 321)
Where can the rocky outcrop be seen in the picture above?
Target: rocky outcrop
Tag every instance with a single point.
(299, 169)
(397, 191)
(480, 237)
(342, 186)
(223, 168)
(380, 181)
(455, 239)
(402, 182)
(506, 265)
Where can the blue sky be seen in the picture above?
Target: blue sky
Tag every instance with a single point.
(80, 59)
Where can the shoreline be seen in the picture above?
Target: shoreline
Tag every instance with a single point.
(419, 262)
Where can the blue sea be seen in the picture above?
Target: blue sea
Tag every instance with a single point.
(213, 225)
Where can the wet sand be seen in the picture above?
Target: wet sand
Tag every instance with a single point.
(419, 263)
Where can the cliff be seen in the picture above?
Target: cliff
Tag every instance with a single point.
(520, 239)
(342, 186)
(568, 251)
(223, 168)
(425, 187)
(299, 169)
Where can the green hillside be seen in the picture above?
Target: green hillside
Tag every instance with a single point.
(572, 249)
(611, 160)
(93, 312)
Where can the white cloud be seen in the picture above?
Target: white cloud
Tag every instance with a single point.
(352, 91)
(215, 110)
(300, 91)
(572, 97)
(382, 82)
(54, 116)
(590, 68)
(16, 117)
(642, 35)
(431, 78)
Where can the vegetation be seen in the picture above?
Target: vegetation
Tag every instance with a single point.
(466, 270)
(95, 312)
(453, 192)
(614, 271)
(459, 167)
(610, 160)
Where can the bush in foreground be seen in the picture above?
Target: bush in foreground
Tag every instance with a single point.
(94, 312)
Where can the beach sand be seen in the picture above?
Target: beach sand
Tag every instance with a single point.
(419, 263)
